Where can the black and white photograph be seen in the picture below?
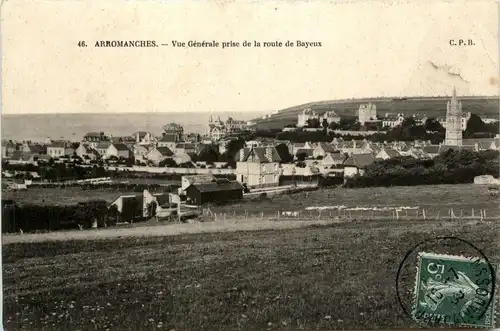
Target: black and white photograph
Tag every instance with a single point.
(250, 165)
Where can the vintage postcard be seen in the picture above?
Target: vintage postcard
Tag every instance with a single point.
(250, 165)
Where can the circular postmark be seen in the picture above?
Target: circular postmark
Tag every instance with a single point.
(447, 280)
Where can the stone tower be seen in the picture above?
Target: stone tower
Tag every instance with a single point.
(453, 121)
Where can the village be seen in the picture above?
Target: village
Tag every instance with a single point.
(232, 161)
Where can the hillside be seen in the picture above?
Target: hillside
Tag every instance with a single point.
(432, 106)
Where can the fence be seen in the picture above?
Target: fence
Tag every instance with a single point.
(351, 214)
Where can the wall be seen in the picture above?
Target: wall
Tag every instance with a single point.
(355, 133)
(191, 171)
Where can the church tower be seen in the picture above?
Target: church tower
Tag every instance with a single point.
(453, 121)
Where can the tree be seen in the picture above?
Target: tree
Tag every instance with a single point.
(301, 156)
(168, 163)
(432, 125)
(333, 126)
(313, 123)
(233, 147)
(209, 155)
(474, 124)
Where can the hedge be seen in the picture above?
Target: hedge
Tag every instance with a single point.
(31, 218)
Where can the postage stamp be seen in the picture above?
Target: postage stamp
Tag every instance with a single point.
(454, 290)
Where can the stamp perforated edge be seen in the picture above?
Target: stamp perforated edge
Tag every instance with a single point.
(462, 258)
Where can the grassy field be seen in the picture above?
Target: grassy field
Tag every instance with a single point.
(340, 276)
(432, 107)
(433, 198)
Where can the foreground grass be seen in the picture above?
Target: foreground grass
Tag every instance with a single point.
(323, 277)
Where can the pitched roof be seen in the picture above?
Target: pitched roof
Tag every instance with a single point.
(327, 147)
(103, 145)
(336, 156)
(21, 156)
(168, 138)
(185, 146)
(264, 154)
(36, 148)
(165, 151)
(360, 160)
(221, 186)
(120, 147)
(391, 152)
(58, 144)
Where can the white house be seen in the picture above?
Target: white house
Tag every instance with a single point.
(158, 154)
(59, 148)
(119, 150)
(258, 166)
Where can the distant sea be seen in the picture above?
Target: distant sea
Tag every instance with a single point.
(37, 127)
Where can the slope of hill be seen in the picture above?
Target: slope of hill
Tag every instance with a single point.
(431, 106)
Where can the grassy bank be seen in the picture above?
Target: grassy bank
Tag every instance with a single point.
(340, 276)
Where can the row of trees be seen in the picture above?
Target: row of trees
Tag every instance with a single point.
(409, 130)
(451, 167)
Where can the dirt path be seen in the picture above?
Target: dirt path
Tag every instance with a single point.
(159, 230)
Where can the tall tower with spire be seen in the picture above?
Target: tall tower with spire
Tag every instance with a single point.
(453, 121)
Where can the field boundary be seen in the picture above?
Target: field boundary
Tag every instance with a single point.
(219, 226)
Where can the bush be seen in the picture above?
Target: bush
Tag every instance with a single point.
(32, 218)
(451, 167)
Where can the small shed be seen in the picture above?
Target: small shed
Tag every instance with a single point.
(218, 191)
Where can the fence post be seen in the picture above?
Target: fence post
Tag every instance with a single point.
(423, 213)
(397, 214)
(278, 214)
(484, 213)
(481, 213)
(261, 214)
(472, 212)
(417, 213)
(319, 214)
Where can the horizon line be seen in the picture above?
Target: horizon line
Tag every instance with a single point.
(250, 111)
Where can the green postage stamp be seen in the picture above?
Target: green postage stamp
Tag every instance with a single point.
(454, 290)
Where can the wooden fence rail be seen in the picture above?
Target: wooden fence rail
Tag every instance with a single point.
(347, 214)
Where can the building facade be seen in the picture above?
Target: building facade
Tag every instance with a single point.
(367, 113)
(217, 129)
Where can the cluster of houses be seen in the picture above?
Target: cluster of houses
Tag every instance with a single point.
(260, 164)
(144, 147)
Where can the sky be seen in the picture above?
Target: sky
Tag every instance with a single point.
(369, 49)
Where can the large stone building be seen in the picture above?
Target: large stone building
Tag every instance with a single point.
(309, 114)
(367, 113)
(453, 126)
(258, 166)
(217, 129)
